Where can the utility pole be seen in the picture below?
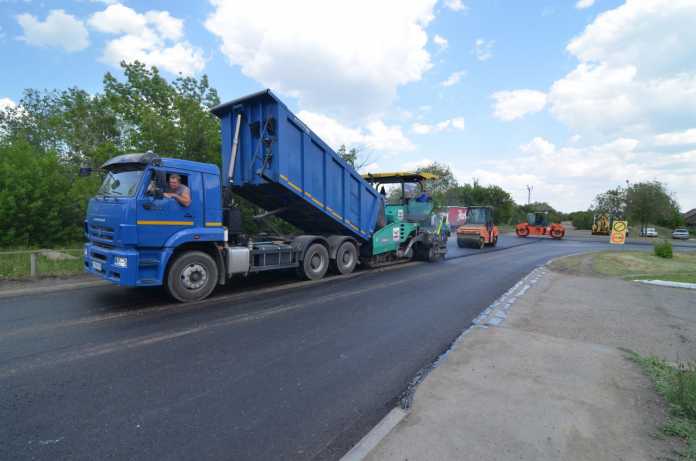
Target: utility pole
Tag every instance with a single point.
(529, 194)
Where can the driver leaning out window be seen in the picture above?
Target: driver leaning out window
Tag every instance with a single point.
(177, 191)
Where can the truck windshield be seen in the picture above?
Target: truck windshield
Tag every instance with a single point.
(121, 183)
(477, 216)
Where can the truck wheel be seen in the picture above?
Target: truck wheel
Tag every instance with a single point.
(346, 258)
(315, 263)
(192, 276)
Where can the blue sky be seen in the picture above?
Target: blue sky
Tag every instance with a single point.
(572, 97)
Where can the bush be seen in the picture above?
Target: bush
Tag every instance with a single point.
(582, 220)
(664, 249)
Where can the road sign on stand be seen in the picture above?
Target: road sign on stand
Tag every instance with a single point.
(618, 232)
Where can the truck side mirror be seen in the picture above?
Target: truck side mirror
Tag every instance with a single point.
(85, 171)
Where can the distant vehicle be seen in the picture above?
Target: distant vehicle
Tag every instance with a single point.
(681, 233)
(648, 232)
(602, 224)
(456, 216)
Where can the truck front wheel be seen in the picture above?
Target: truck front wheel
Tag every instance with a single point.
(192, 276)
(315, 262)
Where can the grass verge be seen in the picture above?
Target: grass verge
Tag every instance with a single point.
(677, 384)
(16, 266)
(631, 265)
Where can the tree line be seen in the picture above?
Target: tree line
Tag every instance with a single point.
(643, 203)
(49, 135)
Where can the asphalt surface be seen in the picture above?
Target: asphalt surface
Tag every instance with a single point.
(266, 369)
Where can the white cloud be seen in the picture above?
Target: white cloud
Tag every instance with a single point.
(154, 38)
(456, 123)
(676, 138)
(376, 135)
(440, 41)
(59, 30)
(582, 4)
(331, 55)
(7, 103)
(483, 49)
(569, 177)
(511, 105)
(636, 71)
(455, 5)
(538, 146)
(416, 164)
(454, 78)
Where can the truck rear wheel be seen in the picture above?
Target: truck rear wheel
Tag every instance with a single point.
(192, 276)
(346, 258)
(315, 263)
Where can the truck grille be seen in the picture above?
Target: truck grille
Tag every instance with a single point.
(102, 233)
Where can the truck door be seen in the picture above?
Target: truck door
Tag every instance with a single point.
(160, 218)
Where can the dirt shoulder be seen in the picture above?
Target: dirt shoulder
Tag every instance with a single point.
(553, 380)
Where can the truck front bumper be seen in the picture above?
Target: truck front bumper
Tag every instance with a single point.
(121, 266)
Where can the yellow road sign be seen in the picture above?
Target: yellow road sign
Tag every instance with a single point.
(618, 232)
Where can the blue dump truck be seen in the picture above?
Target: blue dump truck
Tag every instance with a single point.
(138, 234)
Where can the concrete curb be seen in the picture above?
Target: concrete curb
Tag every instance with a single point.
(372, 438)
(666, 283)
(50, 289)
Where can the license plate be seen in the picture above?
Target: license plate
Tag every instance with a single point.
(96, 266)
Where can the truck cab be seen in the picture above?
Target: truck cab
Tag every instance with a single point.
(133, 230)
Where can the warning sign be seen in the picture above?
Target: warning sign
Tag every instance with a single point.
(618, 232)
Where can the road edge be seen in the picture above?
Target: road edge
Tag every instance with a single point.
(376, 435)
(52, 288)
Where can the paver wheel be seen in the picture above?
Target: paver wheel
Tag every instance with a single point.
(346, 258)
(522, 232)
(315, 263)
(191, 276)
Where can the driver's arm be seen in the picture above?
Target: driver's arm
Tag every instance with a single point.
(184, 198)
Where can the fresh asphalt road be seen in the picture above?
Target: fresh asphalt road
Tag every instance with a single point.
(274, 370)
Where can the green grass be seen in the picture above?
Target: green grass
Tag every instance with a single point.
(631, 265)
(677, 384)
(16, 266)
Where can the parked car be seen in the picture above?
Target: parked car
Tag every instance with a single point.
(680, 233)
(648, 232)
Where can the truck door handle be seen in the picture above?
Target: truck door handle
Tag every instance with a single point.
(147, 205)
(188, 215)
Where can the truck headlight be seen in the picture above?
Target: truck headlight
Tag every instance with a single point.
(121, 261)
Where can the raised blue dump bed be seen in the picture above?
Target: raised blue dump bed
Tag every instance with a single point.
(281, 164)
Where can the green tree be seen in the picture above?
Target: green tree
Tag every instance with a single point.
(445, 179)
(612, 202)
(649, 202)
(169, 119)
(40, 198)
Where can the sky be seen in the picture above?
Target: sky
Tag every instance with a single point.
(569, 97)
